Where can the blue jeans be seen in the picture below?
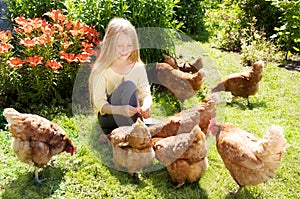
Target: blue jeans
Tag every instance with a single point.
(125, 94)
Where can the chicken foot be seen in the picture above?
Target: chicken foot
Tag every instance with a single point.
(234, 98)
(179, 185)
(137, 177)
(36, 174)
(237, 191)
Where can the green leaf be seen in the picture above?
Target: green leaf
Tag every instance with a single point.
(297, 40)
(296, 49)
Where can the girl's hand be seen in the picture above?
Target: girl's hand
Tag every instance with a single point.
(127, 110)
(145, 112)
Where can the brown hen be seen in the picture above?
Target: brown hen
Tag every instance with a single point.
(184, 155)
(132, 147)
(190, 67)
(185, 121)
(242, 84)
(183, 81)
(36, 139)
(250, 160)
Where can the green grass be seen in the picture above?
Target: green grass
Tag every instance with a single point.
(89, 173)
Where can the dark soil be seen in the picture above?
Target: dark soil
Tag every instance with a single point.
(292, 64)
(4, 23)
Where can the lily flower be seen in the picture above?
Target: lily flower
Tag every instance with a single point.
(53, 64)
(35, 60)
(15, 62)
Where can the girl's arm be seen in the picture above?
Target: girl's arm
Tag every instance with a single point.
(99, 93)
(125, 110)
(145, 94)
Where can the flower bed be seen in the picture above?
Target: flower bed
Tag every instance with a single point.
(41, 57)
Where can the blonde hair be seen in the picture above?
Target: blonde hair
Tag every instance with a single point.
(108, 54)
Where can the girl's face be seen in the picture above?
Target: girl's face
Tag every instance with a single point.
(124, 46)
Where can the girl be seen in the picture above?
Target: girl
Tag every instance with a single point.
(119, 87)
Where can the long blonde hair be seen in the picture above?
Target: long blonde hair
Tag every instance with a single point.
(108, 49)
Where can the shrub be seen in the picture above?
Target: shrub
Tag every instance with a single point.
(7, 76)
(255, 46)
(2, 120)
(32, 8)
(191, 15)
(152, 13)
(47, 53)
(265, 13)
(224, 24)
(288, 34)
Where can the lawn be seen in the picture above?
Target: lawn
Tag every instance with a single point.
(89, 173)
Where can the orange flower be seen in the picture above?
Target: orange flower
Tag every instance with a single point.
(21, 21)
(59, 27)
(4, 47)
(35, 60)
(77, 29)
(5, 36)
(27, 29)
(44, 39)
(68, 25)
(83, 57)
(56, 15)
(28, 25)
(18, 30)
(86, 45)
(37, 23)
(28, 42)
(65, 36)
(87, 50)
(69, 57)
(48, 30)
(92, 35)
(53, 64)
(15, 62)
(67, 44)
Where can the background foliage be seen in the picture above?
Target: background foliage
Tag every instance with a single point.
(142, 13)
(31, 8)
(255, 29)
(191, 15)
(288, 32)
(228, 22)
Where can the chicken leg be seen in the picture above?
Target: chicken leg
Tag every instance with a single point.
(137, 177)
(179, 185)
(248, 102)
(238, 191)
(36, 174)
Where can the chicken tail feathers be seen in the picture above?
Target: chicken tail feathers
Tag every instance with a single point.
(273, 147)
(274, 138)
